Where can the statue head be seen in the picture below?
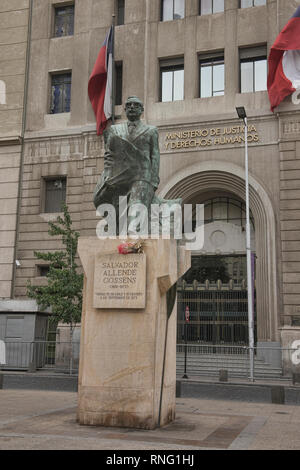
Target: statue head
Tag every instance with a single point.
(134, 108)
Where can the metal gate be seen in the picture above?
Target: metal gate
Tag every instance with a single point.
(218, 313)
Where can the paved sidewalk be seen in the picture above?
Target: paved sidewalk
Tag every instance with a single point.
(32, 419)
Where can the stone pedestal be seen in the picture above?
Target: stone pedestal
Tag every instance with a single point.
(290, 341)
(125, 351)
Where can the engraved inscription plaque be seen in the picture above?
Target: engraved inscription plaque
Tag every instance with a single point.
(120, 281)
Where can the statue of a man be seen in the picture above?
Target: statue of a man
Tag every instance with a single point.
(131, 161)
(131, 166)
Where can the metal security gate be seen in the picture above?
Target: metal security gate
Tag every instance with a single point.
(217, 313)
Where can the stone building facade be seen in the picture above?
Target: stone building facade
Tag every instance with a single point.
(13, 53)
(202, 150)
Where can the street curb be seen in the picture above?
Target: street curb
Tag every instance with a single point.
(185, 388)
(61, 383)
(259, 393)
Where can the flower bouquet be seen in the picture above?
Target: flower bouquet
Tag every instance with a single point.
(126, 248)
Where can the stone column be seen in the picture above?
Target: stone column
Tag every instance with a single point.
(128, 346)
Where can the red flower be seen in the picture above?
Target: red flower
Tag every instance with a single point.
(135, 247)
(126, 248)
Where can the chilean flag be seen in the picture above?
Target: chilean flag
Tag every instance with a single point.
(100, 83)
(284, 62)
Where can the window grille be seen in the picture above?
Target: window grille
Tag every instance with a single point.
(55, 194)
(60, 93)
(64, 21)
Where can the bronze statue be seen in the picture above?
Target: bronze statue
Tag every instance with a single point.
(131, 162)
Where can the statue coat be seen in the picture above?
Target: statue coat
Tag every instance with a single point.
(129, 157)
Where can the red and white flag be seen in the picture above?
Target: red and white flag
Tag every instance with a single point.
(100, 83)
(284, 62)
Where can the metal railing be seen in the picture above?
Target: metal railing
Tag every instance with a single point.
(194, 360)
(33, 355)
(218, 313)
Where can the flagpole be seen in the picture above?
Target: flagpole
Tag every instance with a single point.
(113, 90)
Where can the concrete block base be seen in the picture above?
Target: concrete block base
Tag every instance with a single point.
(290, 340)
(127, 371)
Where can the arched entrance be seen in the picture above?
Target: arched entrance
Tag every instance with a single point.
(214, 290)
(221, 178)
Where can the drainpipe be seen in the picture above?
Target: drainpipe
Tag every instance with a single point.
(24, 115)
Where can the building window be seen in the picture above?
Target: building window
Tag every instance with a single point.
(60, 93)
(211, 76)
(55, 194)
(172, 10)
(172, 80)
(42, 270)
(119, 83)
(63, 21)
(253, 69)
(120, 12)
(252, 3)
(208, 7)
(224, 209)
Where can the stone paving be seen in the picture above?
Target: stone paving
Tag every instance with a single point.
(46, 420)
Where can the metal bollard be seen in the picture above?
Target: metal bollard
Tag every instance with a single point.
(223, 375)
(1, 380)
(178, 389)
(296, 378)
(278, 395)
(31, 367)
